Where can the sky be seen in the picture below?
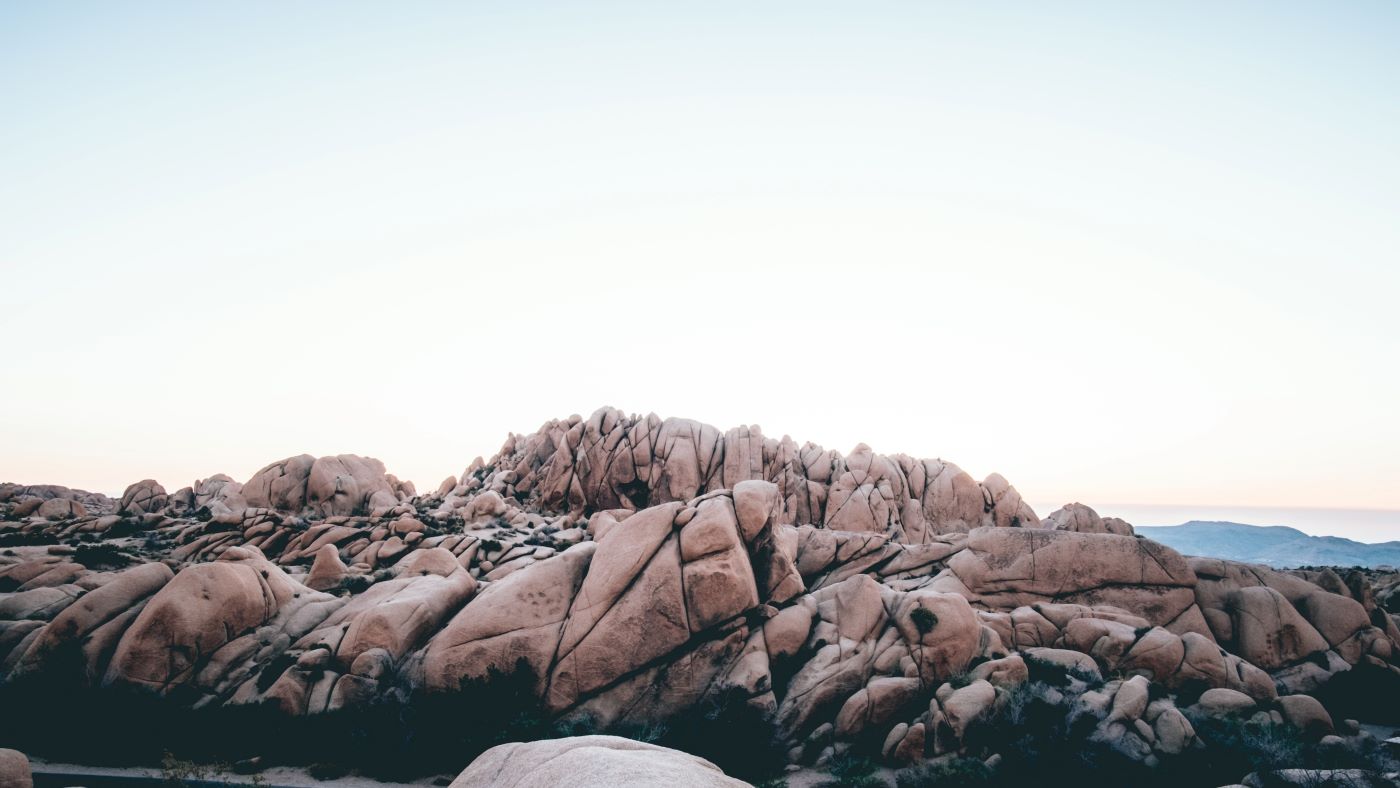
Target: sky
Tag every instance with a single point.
(1120, 253)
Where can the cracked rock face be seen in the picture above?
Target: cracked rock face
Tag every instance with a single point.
(636, 569)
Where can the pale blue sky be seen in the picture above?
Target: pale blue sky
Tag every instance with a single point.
(1117, 252)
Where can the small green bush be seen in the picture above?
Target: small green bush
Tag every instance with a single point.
(955, 773)
(852, 771)
(101, 556)
(356, 584)
(960, 680)
(924, 619)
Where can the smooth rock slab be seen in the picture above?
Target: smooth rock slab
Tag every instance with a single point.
(589, 762)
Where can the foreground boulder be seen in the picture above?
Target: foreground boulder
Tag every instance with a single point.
(14, 770)
(590, 762)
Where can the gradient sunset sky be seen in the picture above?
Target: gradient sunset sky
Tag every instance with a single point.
(1118, 252)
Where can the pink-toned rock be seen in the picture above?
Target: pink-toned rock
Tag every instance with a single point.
(1222, 702)
(77, 623)
(590, 762)
(281, 485)
(1005, 568)
(1268, 631)
(876, 705)
(60, 509)
(1305, 713)
(14, 770)
(1081, 519)
(201, 609)
(143, 497)
(518, 618)
(327, 570)
(393, 616)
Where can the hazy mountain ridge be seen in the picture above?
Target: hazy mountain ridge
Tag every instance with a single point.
(1275, 545)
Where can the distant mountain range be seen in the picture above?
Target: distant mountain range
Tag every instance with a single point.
(1276, 545)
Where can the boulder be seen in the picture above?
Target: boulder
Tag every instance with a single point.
(1318, 778)
(1081, 519)
(77, 624)
(1221, 702)
(967, 705)
(327, 570)
(1305, 713)
(515, 622)
(14, 770)
(1268, 631)
(1006, 568)
(281, 485)
(393, 616)
(204, 607)
(590, 762)
(60, 509)
(143, 497)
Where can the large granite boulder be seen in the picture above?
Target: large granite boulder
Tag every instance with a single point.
(590, 762)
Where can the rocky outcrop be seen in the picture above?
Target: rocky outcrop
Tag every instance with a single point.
(143, 497)
(340, 485)
(201, 617)
(1081, 519)
(1004, 569)
(615, 461)
(23, 500)
(675, 581)
(626, 572)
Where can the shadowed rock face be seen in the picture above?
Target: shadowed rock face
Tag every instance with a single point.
(637, 569)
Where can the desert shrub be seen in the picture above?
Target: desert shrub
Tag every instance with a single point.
(23, 539)
(728, 731)
(101, 556)
(127, 526)
(177, 772)
(924, 619)
(583, 725)
(1191, 691)
(647, 732)
(1357, 753)
(356, 584)
(1036, 736)
(1235, 747)
(852, 771)
(960, 680)
(954, 773)
(1055, 674)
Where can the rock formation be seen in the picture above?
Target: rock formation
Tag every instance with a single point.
(633, 570)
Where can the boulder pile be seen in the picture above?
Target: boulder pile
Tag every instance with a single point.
(635, 570)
